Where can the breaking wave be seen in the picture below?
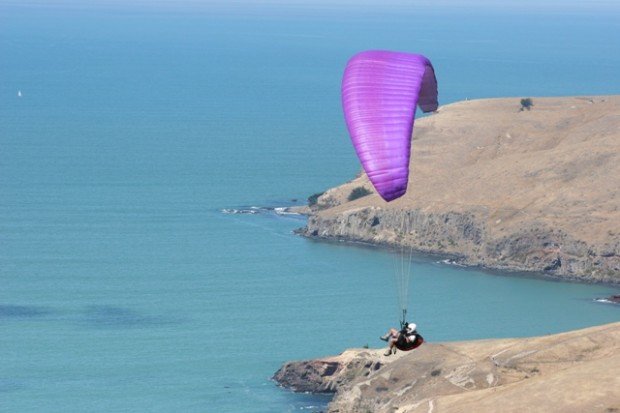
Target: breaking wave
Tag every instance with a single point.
(254, 210)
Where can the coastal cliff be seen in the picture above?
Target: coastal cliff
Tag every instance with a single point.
(500, 187)
(568, 372)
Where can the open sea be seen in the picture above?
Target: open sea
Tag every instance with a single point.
(125, 130)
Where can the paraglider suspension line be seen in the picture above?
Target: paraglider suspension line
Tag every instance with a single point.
(403, 320)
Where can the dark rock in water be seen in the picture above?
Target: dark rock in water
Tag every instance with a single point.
(614, 299)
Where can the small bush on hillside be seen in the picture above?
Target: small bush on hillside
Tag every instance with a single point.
(358, 192)
(526, 103)
(314, 198)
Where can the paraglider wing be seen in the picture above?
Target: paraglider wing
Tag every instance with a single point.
(380, 91)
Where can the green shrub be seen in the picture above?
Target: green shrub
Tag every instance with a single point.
(314, 198)
(358, 192)
(526, 103)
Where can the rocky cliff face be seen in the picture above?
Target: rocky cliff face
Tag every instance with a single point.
(494, 186)
(327, 375)
(570, 372)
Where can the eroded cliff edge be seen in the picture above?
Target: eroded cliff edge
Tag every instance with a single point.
(569, 372)
(501, 187)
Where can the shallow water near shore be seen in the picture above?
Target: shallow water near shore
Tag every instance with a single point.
(124, 287)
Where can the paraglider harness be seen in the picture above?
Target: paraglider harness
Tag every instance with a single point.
(401, 342)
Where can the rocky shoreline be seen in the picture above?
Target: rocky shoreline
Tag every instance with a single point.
(494, 187)
(568, 372)
(534, 249)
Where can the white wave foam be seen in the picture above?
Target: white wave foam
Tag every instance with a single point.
(284, 211)
(449, 261)
(239, 211)
(606, 301)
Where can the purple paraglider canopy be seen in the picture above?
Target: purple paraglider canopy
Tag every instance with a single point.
(380, 92)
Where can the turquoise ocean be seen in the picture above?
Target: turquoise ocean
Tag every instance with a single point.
(126, 130)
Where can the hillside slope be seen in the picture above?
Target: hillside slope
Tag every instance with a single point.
(534, 190)
(569, 372)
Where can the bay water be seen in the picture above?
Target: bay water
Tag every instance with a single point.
(126, 130)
